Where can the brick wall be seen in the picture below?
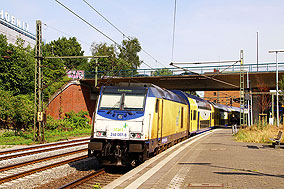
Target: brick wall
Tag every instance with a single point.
(75, 97)
(223, 96)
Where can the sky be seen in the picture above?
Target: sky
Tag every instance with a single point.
(206, 30)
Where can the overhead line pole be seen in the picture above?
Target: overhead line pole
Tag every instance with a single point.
(257, 50)
(277, 95)
(242, 91)
(174, 28)
(38, 114)
(249, 103)
(38, 99)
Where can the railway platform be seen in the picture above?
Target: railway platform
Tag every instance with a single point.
(209, 160)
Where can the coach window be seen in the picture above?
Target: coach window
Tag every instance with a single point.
(157, 106)
(194, 115)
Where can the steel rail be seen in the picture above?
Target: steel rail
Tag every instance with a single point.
(39, 151)
(29, 172)
(83, 179)
(40, 160)
(41, 146)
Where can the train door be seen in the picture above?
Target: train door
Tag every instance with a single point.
(191, 120)
(188, 125)
(198, 121)
(160, 120)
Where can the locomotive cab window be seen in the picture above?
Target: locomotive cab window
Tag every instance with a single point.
(110, 101)
(133, 102)
(120, 99)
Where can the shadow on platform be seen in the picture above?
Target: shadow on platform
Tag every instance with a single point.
(243, 171)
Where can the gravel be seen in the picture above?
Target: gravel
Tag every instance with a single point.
(46, 178)
(39, 155)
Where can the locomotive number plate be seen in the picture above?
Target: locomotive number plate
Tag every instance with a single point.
(120, 132)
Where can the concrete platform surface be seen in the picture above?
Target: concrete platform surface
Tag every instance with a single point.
(210, 160)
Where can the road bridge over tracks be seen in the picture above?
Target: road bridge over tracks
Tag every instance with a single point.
(205, 78)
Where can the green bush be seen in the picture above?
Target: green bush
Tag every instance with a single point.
(8, 134)
(71, 120)
(16, 111)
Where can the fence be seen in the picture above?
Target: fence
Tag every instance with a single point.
(263, 67)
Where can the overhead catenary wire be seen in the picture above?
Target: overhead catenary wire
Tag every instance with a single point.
(226, 61)
(218, 80)
(225, 69)
(214, 62)
(174, 28)
(92, 26)
(123, 34)
(58, 30)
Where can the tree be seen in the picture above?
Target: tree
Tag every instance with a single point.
(193, 93)
(264, 100)
(102, 49)
(281, 90)
(54, 70)
(123, 60)
(162, 72)
(17, 77)
(16, 111)
(17, 67)
(66, 47)
(129, 52)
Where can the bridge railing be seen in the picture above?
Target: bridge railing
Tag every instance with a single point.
(262, 67)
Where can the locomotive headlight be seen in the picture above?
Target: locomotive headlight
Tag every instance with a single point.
(136, 135)
(100, 133)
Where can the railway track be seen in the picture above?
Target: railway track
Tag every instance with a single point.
(18, 163)
(7, 156)
(41, 146)
(13, 166)
(98, 178)
(38, 169)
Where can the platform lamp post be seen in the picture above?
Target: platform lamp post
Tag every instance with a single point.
(277, 96)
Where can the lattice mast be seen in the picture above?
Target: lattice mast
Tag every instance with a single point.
(38, 101)
(242, 90)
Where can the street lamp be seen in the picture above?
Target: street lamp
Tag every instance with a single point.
(277, 97)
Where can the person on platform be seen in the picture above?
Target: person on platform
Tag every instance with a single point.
(234, 122)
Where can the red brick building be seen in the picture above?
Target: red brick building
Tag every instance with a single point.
(73, 96)
(223, 97)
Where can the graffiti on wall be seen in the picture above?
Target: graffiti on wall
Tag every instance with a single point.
(75, 74)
